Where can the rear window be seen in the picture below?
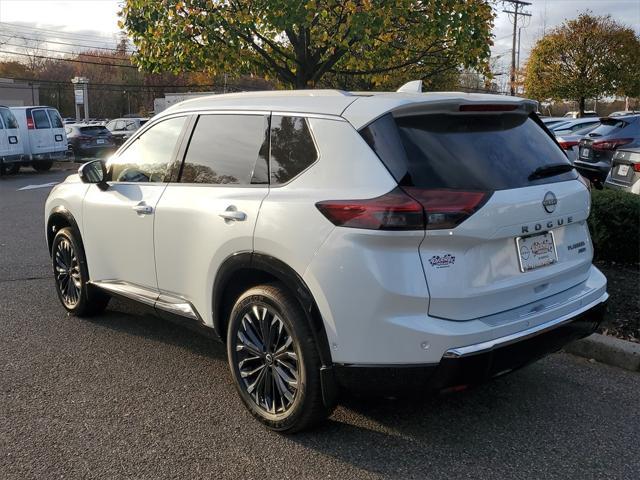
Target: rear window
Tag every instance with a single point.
(8, 118)
(607, 127)
(56, 121)
(292, 148)
(466, 152)
(40, 119)
(93, 131)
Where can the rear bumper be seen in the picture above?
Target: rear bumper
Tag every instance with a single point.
(47, 156)
(477, 363)
(6, 159)
(596, 171)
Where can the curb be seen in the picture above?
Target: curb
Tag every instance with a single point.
(608, 350)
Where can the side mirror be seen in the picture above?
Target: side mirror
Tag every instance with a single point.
(94, 172)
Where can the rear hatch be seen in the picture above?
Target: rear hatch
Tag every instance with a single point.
(57, 130)
(95, 136)
(601, 143)
(625, 166)
(10, 145)
(505, 211)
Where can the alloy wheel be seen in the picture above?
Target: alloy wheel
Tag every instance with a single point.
(266, 360)
(67, 273)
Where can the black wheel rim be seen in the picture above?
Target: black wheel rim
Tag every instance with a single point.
(67, 272)
(266, 360)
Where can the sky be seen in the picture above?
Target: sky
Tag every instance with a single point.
(94, 22)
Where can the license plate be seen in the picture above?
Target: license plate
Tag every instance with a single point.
(584, 152)
(99, 141)
(536, 251)
(623, 170)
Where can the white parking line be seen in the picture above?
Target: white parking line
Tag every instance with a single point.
(44, 185)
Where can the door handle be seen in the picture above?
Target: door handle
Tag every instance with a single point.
(232, 214)
(142, 209)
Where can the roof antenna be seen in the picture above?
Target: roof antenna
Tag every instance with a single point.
(411, 87)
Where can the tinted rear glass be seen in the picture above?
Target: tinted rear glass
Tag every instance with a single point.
(228, 149)
(292, 148)
(8, 118)
(56, 121)
(93, 131)
(41, 119)
(607, 127)
(466, 152)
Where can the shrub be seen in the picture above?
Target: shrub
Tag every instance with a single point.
(615, 225)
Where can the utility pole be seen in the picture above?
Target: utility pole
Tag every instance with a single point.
(518, 5)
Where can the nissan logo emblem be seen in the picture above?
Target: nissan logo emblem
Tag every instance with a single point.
(549, 202)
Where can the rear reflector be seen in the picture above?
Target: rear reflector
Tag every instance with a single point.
(406, 208)
(447, 208)
(478, 107)
(568, 145)
(610, 144)
(393, 211)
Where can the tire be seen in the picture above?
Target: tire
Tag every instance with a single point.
(12, 168)
(42, 166)
(289, 397)
(71, 276)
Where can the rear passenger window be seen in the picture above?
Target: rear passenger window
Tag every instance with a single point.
(56, 121)
(41, 119)
(292, 148)
(227, 150)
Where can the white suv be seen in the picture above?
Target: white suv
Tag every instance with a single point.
(333, 240)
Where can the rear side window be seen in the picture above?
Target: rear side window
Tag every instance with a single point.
(40, 119)
(466, 152)
(292, 148)
(56, 121)
(8, 118)
(227, 150)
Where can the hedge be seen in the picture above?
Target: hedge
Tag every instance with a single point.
(615, 225)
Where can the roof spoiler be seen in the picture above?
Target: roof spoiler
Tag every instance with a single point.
(414, 86)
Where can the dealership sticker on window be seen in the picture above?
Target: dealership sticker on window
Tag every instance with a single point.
(443, 261)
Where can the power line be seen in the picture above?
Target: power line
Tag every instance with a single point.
(43, 40)
(517, 4)
(84, 54)
(86, 62)
(90, 38)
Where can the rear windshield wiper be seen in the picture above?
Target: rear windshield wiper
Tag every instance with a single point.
(550, 170)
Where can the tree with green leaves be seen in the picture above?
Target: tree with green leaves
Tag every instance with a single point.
(299, 42)
(589, 57)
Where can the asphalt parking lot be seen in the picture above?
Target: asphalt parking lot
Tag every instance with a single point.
(126, 395)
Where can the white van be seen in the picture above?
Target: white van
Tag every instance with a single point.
(42, 131)
(11, 148)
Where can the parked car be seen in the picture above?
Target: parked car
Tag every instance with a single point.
(596, 149)
(337, 240)
(11, 146)
(571, 126)
(550, 121)
(123, 128)
(625, 170)
(570, 142)
(43, 136)
(576, 114)
(89, 140)
(624, 113)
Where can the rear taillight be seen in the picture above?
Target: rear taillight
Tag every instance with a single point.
(406, 208)
(393, 211)
(610, 144)
(84, 138)
(447, 208)
(636, 167)
(30, 124)
(568, 145)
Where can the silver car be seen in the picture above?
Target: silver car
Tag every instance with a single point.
(569, 142)
(625, 171)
